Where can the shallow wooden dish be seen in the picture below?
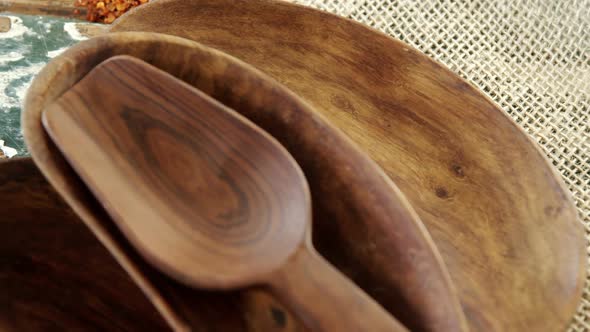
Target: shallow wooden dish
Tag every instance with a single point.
(498, 212)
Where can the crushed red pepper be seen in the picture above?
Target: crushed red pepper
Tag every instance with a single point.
(106, 11)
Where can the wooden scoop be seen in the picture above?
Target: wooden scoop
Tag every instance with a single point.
(202, 193)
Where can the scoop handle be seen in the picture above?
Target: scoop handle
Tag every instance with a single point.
(326, 300)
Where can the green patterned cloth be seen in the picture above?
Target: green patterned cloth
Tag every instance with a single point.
(31, 42)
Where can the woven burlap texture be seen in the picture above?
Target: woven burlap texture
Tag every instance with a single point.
(531, 57)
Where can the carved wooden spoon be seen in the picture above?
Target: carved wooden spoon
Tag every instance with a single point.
(202, 193)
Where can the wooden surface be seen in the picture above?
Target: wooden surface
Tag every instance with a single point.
(5, 24)
(212, 211)
(499, 214)
(324, 299)
(63, 8)
(91, 29)
(370, 231)
(54, 274)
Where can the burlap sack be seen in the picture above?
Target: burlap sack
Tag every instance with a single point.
(531, 57)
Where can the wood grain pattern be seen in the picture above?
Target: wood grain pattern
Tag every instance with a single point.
(54, 274)
(365, 220)
(498, 212)
(201, 192)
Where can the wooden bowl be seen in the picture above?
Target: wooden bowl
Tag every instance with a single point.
(498, 212)
(361, 222)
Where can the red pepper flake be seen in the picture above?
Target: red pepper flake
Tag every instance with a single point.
(106, 11)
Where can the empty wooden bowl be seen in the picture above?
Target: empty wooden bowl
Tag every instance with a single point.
(498, 212)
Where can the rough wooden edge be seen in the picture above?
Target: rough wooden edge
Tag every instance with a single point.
(90, 30)
(5, 24)
(60, 8)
